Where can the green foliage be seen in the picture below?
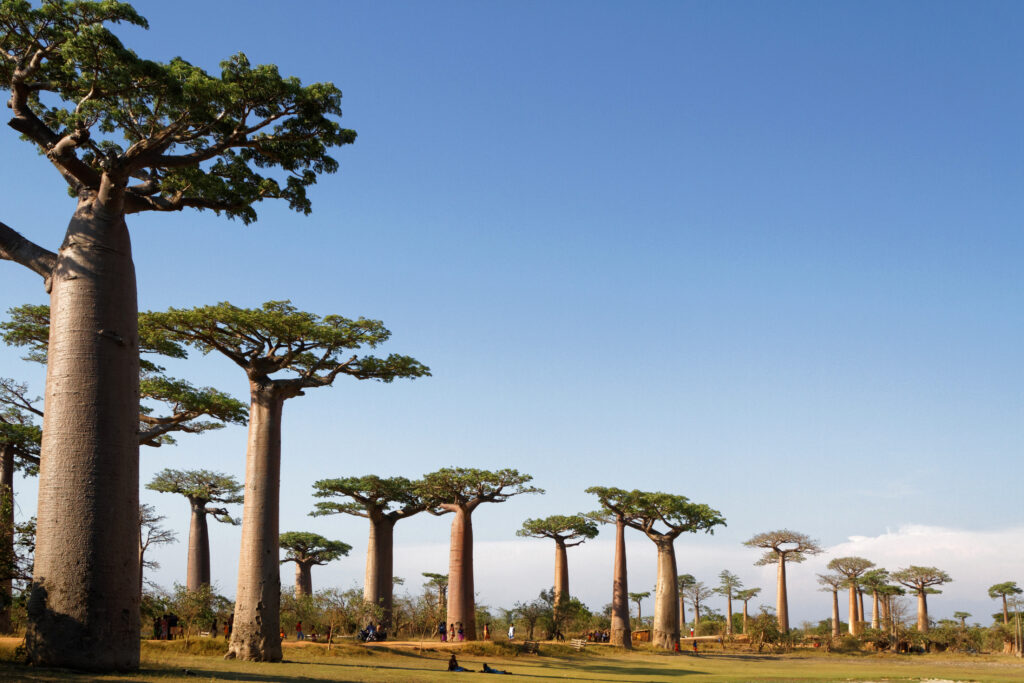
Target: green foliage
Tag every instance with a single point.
(729, 583)
(643, 510)
(561, 528)
(195, 608)
(466, 486)
(201, 487)
(371, 495)
(309, 548)
(278, 337)
(921, 579)
(851, 568)
(763, 629)
(1002, 590)
(792, 546)
(193, 139)
(19, 430)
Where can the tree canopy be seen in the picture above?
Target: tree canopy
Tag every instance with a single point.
(395, 497)
(850, 567)
(1004, 589)
(792, 545)
(561, 528)
(921, 579)
(312, 549)
(201, 486)
(644, 511)
(467, 487)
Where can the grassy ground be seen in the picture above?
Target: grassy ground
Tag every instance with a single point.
(412, 662)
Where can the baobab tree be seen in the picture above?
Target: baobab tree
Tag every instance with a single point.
(127, 135)
(566, 531)
(663, 517)
(729, 583)
(383, 502)
(461, 490)
(613, 512)
(151, 533)
(831, 583)
(746, 595)
(780, 547)
(307, 550)
(1002, 590)
(962, 616)
(922, 581)
(851, 568)
(275, 338)
(638, 598)
(683, 581)
(201, 488)
(439, 582)
(872, 580)
(698, 593)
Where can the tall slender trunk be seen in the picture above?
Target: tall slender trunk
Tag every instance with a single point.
(561, 578)
(666, 598)
(621, 634)
(860, 606)
(835, 613)
(874, 609)
(1006, 613)
(854, 630)
(682, 612)
(728, 615)
(83, 609)
(783, 599)
(6, 534)
(303, 579)
(883, 605)
(378, 587)
(198, 572)
(256, 635)
(922, 611)
(461, 597)
(745, 631)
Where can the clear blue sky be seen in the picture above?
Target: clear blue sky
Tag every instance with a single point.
(765, 255)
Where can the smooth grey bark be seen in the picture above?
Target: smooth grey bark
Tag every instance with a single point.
(83, 609)
(303, 579)
(666, 600)
(621, 635)
(378, 588)
(782, 595)
(198, 572)
(256, 635)
(835, 613)
(461, 596)
(561, 585)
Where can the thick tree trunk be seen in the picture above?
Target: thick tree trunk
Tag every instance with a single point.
(666, 598)
(782, 600)
(84, 604)
(874, 609)
(621, 635)
(6, 534)
(835, 613)
(883, 605)
(303, 580)
(853, 627)
(198, 572)
(922, 611)
(561, 578)
(461, 597)
(256, 635)
(378, 587)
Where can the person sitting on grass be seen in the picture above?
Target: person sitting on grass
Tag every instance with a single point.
(489, 670)
(453, 664)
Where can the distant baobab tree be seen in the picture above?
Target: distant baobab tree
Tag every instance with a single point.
(780, 547)
(922, 581)
(1002, 590)
(307, 550)
(851, 569)
(746, 595)
(729, 583)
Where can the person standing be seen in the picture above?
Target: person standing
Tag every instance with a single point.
(487, 631)
(511, 631)
(451, 632)
(299, 635)
(442, 631)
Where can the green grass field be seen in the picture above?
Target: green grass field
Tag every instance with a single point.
(410, 662)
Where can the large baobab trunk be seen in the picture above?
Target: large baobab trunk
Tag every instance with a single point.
(922, 611)
(854, 626)
(256, 635)
(6, 533)
(461, 598)
(666, 598)
(378, 588)
(782, 598)
(728, 614)
(1006, 613)
(745, 631)
(561, 576)
(621, 633)
(874, 610)
(83, 609)
(303, 580)
(835, 613)
(198, 572)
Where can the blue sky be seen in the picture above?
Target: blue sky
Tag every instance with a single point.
(762, 255)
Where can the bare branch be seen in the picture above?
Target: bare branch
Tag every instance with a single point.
(15, 247)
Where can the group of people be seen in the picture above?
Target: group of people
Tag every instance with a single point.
(165, 627)
(597, 636)
(453, 665)
(453, 632)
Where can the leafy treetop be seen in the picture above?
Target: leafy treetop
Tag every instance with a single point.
(921, 579)
(792, 546)
(105, 117)
(729, 583)
(747, 594)
(1004, 589)
(277, 337)
(851, 567)
(371, 497)
(685, 580)
(201, 487)
(831, 582)
(465, 488)
(19, 430)
(560, 528)
(307, 548)
(644, 510)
